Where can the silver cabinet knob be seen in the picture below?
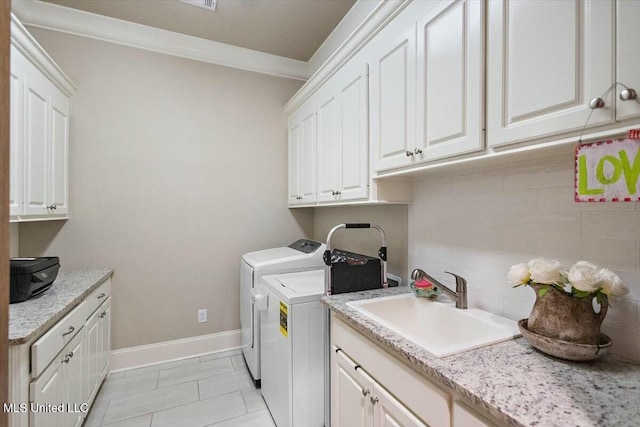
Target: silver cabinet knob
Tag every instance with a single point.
(373, 400)
(409, 153)
(365, 391)
(628, 94)
(596, 103)
(417, 151)
(52, 207)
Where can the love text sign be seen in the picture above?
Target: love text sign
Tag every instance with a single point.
(608, 171)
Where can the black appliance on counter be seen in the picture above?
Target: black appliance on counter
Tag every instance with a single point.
(32, 276)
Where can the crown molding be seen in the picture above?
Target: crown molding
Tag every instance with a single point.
(53, 17)
(376, 20)
(29, 47)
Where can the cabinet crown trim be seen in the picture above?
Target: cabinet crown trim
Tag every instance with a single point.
(71, 21)
(25, 43)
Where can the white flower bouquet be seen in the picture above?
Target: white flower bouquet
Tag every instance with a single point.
(582, 280)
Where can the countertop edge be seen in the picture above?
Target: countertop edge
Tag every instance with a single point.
(60, 314)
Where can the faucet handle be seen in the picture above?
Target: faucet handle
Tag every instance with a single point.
(461, 282)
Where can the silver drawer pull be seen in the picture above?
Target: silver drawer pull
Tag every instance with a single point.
(71, 329)
(102, 295)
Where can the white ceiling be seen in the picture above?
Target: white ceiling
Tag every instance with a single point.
(289, 28)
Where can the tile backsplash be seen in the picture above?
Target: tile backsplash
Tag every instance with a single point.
(479, 223)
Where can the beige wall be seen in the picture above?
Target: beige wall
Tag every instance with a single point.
(392, 219)
(481, 222)
(176, 169)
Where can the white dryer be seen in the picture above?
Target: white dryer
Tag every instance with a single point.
(294, 337)
(301, 255)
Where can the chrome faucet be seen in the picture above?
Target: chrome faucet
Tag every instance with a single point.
(459, 296)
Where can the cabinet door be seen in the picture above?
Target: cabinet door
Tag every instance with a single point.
(353, 135)
(307, 170)
(17, 134)
(343, 165)
(62, 385)
(105, 339)
(92, 355)
(392, 105)
(389, 412)
(47, 389)
(329, 144)
(75, 381)
(302, 161)
(294, 160)
(546, 61)
(58, 186)
(627, 56)
(36, 141)
(450, 80)
(350, 393)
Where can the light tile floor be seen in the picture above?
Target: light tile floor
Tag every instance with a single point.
(213, 390)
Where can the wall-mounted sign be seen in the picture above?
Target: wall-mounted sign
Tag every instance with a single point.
(608, 171)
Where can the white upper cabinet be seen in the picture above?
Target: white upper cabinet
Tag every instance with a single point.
(40, 94)
(16, 86)
(627, 56)
(546, 61)
(302, 155)
(393, 94)
(427, 80)
(450, 80)
(343, 167)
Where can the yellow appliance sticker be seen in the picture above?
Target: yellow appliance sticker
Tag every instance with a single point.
(284, 310)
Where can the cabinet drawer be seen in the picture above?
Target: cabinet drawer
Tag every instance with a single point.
(97, 297)
(45, 349)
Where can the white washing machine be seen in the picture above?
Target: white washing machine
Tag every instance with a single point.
(294, 336)
(301, 255)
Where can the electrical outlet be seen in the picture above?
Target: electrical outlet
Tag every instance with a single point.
(202, 316)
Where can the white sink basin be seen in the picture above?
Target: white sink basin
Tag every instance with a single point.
(438, 327)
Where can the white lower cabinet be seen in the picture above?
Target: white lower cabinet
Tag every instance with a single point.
(360, 401)
(56, 376)
(371, 388)
(465, 417)
(57, 395)
(98, 344)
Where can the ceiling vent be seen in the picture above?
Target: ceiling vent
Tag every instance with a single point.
(205, 4)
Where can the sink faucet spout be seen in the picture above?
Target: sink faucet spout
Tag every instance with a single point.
(459, 296)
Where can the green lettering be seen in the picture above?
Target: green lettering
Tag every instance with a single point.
(583, 179)
(630, 173)
(617, 170)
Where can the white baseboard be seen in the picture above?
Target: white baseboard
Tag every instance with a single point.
(152, 354)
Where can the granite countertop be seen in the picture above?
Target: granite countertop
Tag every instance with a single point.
(30, 319)
(513, 382)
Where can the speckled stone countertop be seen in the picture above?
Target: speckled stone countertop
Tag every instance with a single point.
(31, 318)
(511, 381)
